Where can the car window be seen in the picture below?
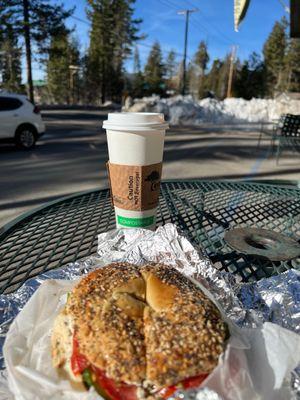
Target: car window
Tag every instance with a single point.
(9, 103)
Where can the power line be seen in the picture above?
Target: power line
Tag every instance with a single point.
(139, 44)
(197, 26)
(201, 28)
(170, 4)
(148, 45)
(175, 7)
(201, 13)
(167, 3)
(80, 20)
(221, 34)
(217, 34)
(213, 31)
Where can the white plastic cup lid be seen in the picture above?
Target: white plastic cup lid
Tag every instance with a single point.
(135, 121)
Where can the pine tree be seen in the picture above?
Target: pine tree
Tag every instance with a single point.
(112, 34)
(63, 54)
(193, 77)
(171, 67)
(75, 61)
(201, 60)
(274, 57)
(155, 71)
(36, 21)
(213, 77)
(10, 63)
(202, 57)
(249, 78)
(138, 82)
(293, 66)
(10, 53)
(136, 61)
(223, 75)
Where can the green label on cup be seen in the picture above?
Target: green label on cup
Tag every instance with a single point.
(135, 222)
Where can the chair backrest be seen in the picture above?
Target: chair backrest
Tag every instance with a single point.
(291, 126)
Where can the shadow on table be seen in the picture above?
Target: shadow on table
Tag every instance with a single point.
(33, 202)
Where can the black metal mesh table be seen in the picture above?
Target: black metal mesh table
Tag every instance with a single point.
(66, 230)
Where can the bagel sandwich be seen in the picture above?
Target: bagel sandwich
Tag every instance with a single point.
(137, 332)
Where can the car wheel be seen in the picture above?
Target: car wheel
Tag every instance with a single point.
(25, 138)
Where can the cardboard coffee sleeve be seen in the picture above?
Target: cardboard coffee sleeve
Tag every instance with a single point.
(135, 187)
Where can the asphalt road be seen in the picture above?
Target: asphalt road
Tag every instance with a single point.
(71, 157)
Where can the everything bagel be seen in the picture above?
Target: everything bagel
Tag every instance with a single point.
(137, 332)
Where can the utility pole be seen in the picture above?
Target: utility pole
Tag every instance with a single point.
(73, 71)
(230, 76)
(187, 16)
(28, 49)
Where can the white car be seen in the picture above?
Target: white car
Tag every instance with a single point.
(20, 120)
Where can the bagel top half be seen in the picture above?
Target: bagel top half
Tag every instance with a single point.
(140, 325)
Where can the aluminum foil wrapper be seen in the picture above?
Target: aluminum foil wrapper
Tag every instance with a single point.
(276, 299)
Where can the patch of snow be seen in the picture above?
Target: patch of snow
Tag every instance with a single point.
(183, 110)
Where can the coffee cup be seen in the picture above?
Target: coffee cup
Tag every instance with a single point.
(135, 147)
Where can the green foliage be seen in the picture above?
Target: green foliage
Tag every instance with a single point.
(136, 61)
(293, 66)
(63, 80)
(171, 69)
(155, 71)
(36, 21)
(249, 79)
(223, 78)
(112, 34)
(215, 82)
(45, 20)
(138, 81)
(274, 57)
(201, 57)
(201, 60)
(10, 60)
(170, 65)
(212, 79)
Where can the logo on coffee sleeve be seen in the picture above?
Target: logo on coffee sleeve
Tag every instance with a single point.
(154, 178)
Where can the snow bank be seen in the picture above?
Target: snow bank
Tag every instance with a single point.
(183, 110)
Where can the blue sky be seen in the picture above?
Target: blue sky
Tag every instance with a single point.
(212, 23)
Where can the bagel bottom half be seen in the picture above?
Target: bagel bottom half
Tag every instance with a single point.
(132, 332)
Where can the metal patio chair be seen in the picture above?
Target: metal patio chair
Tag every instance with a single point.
(273, 132)
(288, 134)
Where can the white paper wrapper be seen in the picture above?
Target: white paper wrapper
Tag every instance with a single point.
(249, 369)
(257, 363)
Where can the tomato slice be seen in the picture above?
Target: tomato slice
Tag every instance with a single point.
(120, 391)
(78, 361)
(194, 381)
(187, 383)
(115, 391)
